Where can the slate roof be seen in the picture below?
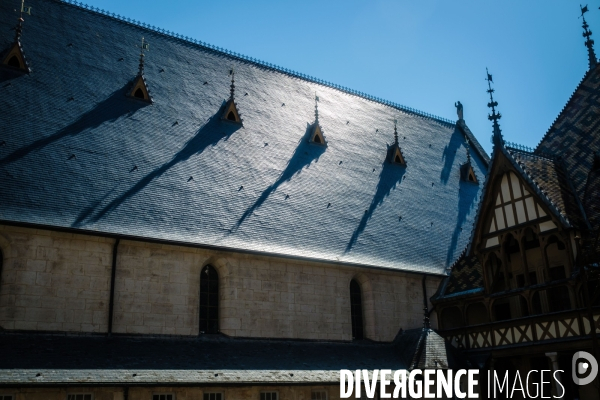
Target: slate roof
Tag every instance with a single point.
(78, 154)
(218, 360)
(428, 350)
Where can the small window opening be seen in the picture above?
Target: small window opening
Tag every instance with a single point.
(14, 62)
(79, 396)
(317, 139)
(162, 397)
(231, 116)
(318, 395)
(397, 159)
(139, 93)
(213, 396)
(269, 396)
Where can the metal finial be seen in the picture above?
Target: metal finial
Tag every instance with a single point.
(426, 323)
(145, 46)
(316, 108)
(395, 132)
(494, 116)
(232, 87)
(589, 43)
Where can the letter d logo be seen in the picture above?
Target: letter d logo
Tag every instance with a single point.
(580, 368)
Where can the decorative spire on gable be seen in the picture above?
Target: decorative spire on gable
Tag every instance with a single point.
(467, 173)
(316, 135)
(497, 139)
(395, 153)
(589, 42)
(139, 89)
(15, 58)
(230, 112)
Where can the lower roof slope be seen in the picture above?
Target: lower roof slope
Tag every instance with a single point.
(78, 153)
(36, 359)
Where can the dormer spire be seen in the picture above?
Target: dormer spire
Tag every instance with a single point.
(396, 132)
(24, 10)
(232, 87)
(316, 108)
(589, 42)
(494, 116)
(145, 46)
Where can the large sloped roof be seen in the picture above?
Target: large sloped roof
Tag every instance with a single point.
(575, 134)
(78, 153)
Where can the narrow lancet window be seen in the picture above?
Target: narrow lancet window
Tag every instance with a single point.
(356, 310)
(209, 300)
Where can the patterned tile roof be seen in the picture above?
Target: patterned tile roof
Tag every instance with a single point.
(79, 154)
(575, 134)
(466, 275)
(550, 177)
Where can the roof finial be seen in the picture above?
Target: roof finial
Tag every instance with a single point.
(232, 87)
(395, 132)
(24, 10)
(494, 116)
(589, 43)
(145, 46)
(316, 108)
(468, 152)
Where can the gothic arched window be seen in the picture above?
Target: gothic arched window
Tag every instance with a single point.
(209, 300)
(356, 310)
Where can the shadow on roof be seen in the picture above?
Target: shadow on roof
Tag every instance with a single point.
(210, 134)
(456, 142)
(303, 156)
(390, 176)
(112, 108)
(466, 198)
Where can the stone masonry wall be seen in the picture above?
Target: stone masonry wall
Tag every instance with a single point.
(61, 282)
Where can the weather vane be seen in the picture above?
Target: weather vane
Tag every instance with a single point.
(589, 42)
(494, 116)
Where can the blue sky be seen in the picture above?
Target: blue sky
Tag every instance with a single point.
(424, 55)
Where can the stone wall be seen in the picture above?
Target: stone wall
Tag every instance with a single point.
(61, 282)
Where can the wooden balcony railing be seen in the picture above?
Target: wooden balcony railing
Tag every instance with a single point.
(534, 329)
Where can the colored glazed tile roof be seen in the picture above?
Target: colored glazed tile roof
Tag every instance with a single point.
(574, 135)
(550, 177)
(466, 276)
(77, 153)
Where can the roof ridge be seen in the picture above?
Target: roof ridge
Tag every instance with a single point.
(542, 155)
(585, 76)
(255, 61)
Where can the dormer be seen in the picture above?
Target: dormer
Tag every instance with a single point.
(139, 89)
(395, 155)
(230, 111)
(15, 58)
(316, 134)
